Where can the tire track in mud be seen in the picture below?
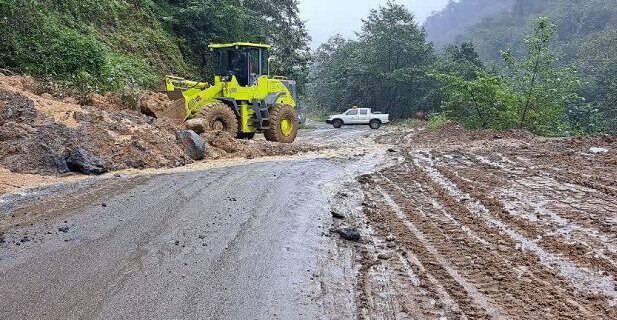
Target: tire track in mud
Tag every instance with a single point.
(592, 228)
(510, 278)
(554, 241)
(588, 282)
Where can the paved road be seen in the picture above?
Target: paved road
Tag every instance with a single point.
(244, 242)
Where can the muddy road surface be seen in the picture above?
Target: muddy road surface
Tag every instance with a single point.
(453, 225)
(245, 241)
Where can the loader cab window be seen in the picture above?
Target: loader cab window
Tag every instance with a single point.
(235, 63)
(255, 65)
(245, 64)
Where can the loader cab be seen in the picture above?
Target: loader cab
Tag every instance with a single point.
(246, 61)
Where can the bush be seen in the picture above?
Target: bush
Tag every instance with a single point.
(437, 121)
(69, 53)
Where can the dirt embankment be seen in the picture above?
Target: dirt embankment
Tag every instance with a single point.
(88, 140)
(492, 225)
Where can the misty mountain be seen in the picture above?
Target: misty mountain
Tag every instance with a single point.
(457, 17)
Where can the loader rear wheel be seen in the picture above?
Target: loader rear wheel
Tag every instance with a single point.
(283, 124)
(219, 117)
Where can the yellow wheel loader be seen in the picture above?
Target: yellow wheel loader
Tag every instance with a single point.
(243, 99)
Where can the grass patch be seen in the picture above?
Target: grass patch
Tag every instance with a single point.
(308, 127)
(437, 121)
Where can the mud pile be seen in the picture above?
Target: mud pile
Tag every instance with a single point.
(453, 133)
(88, 140)
(223, 145)
(109, 101)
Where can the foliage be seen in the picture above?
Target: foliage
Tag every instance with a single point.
(534, 93)
(445, 27)
(487, 101)
(386, 68)
(585, 38)
(122, 44)
(437, 121)
(547, 89)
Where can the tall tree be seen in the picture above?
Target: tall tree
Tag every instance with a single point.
(386, 68)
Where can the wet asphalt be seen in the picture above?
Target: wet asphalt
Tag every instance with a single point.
(240, 242)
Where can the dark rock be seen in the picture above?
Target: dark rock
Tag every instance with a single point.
(349, 233)
(104, 205)
(2, 239)
(82, 161)
(391, 150)
(192, 144)
(64, 229)
(136, 164)
(25, 239)
(337, 215)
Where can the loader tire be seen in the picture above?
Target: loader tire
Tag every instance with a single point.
(219, 117)
(284, 124)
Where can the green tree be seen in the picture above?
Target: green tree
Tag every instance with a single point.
(547, 88)
(534, 93)
(487, 101)
(386, 68)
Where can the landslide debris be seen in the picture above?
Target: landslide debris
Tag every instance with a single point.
(33, 142)
(224, 145)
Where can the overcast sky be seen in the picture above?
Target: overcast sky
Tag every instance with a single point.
(326, 18)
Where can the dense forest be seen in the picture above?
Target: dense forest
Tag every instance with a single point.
(585, 38)
(112, 44)
(536, 65)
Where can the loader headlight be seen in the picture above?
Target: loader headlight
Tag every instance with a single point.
(226, 78)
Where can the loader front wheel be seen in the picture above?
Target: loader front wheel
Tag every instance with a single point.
(283, 124)
(219, 117)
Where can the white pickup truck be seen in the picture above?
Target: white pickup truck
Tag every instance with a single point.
(356, 116)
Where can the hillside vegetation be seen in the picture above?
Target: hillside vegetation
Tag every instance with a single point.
(393, 67)
(115, 44)
(585, 38)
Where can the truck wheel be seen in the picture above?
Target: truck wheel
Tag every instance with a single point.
(283, 124)
(219, 117)
(337, 124)
(375, 124)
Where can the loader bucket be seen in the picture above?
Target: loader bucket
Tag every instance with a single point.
(173, 109)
